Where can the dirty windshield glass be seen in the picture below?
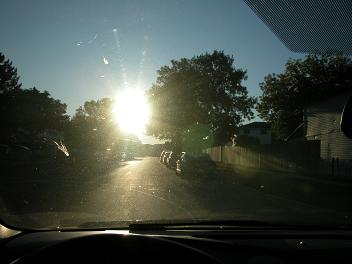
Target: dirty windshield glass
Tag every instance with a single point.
(114, 112)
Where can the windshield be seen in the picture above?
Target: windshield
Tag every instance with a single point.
(248, 97)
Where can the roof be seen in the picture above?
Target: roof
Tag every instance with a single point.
(256, 125)
(329, 98)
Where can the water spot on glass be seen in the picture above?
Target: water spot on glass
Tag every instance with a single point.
(105, 60)
(302, 243)
(261, 186)
(114, 30)
(62, 147)
(94, 38)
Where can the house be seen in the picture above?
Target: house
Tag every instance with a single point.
(258, 130)
(322, 122)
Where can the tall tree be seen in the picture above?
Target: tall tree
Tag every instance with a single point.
(24, 113)
(93, 126)
(201, 99)
(303, 82)
(28, 112)
(8, 75)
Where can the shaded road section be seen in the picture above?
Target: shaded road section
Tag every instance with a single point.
(145, 189)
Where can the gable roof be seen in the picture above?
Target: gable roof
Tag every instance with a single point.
(342, 94)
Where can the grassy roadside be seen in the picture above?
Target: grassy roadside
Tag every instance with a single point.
(319, 192)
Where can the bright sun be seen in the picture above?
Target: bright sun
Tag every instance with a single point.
(131, 111)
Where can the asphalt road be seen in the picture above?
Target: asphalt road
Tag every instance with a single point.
(144, 189)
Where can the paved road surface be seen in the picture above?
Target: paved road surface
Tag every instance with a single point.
(143, 189)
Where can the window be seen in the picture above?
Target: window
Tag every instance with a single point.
(119, 82)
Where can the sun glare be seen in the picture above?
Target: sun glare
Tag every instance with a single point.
(131, 111)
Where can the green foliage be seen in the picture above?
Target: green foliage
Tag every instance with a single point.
(304, 81)
(27, 112)
(205, 90)
(197, 138)
(93, 126)
(8, 75)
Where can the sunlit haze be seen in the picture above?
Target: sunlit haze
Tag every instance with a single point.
(182, 115)
(79, 51)
(131, 111)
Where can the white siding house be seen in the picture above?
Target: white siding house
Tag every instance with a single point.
(322, 122)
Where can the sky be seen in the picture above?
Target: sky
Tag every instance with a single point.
(90, 49)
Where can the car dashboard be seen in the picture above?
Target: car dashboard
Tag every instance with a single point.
(240, 246)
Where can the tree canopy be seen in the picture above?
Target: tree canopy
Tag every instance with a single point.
(303, 82)
(8, 75)
(37, 110)
(26, 112)
(203, 94)
(94, 129)
(93, 125)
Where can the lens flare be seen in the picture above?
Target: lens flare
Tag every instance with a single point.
(131, 111)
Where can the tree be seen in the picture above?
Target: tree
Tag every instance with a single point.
(8, 75)
(24, 113)
(201, 99)
(93, 126)
(303, 82)
(28, 112)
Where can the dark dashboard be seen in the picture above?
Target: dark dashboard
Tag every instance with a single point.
(177, 246)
